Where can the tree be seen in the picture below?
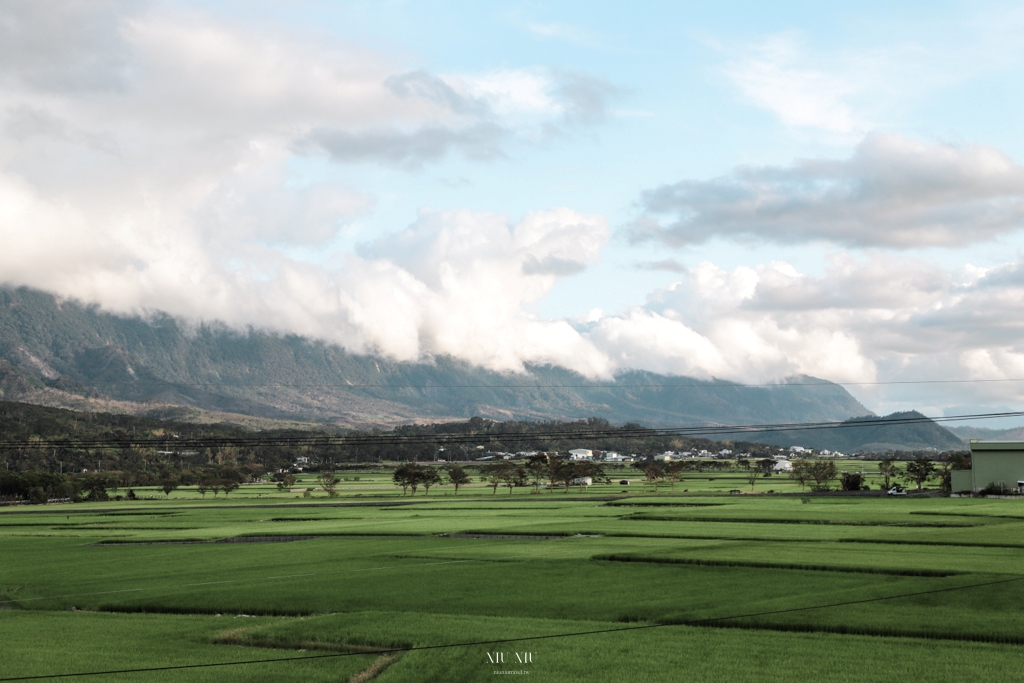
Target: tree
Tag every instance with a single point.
(429, 477)
(229, 485)
(563, 473)
(673, 472)
(752, 477)
(202, 487)
(851, 481)
(954, 462)
(329, 482)
(889, 471)
(919, 471)
(168, 483)
(766, 465)
(96, 486)
(587, 469)
(945, 477)
(285, 481)
(822, 472)
(513, 476)
(537, 466)
(959, 461)
(406, 475)
(555, 470)
(216, 485)
(653, 474)
(801, 472)
(457, 477)
(496, 473)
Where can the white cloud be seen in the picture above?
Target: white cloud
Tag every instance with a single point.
(836, 94)
(873, 317)
(144, 164)
(453, 283)
(711, 324)
(771, 75)
(893, 192)
(146, 158)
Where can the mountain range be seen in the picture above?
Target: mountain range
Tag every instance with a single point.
(908, 431)
(62, 353)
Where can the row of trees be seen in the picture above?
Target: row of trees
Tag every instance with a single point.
(538, 469)
(40, 486)
(413, 476)
(917, 472)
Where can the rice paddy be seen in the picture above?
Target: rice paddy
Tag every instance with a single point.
(593, 585)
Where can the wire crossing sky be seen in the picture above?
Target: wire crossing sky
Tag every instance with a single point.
(741, 191)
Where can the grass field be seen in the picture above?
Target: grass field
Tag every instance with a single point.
(597, 585)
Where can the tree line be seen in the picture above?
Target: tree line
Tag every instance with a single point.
(41, 487)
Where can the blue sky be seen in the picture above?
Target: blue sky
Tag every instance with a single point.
(744, 191)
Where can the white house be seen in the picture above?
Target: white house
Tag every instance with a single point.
(582, 481)
(581, 454)
(612, 456)
(782, 466)
(797, 449)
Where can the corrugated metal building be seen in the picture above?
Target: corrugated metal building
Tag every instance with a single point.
(993, 462)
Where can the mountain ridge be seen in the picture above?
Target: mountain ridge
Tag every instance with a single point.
(54, 350)
(904, 430)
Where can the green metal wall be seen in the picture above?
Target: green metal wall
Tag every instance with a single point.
(961, 481)
(997, 462)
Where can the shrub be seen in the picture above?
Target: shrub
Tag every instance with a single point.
(999, 489)
(851, 481)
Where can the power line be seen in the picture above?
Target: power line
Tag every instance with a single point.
(709, 384)
(395, 439)
(693, 623)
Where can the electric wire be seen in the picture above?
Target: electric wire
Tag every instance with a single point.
(709, 384)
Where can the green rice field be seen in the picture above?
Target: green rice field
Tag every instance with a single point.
(608, 583)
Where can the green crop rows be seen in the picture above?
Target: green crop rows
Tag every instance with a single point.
(591, 586)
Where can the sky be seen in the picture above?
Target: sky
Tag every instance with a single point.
(743, 191)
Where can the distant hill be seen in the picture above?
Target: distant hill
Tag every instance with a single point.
(985, 433)
(850, 437)
(61, 353)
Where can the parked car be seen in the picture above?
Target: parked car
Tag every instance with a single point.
(624, 482)
(897, 491)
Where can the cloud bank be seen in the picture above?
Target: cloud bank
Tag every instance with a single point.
(866, 318)
(892, 192)
(145, 164)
